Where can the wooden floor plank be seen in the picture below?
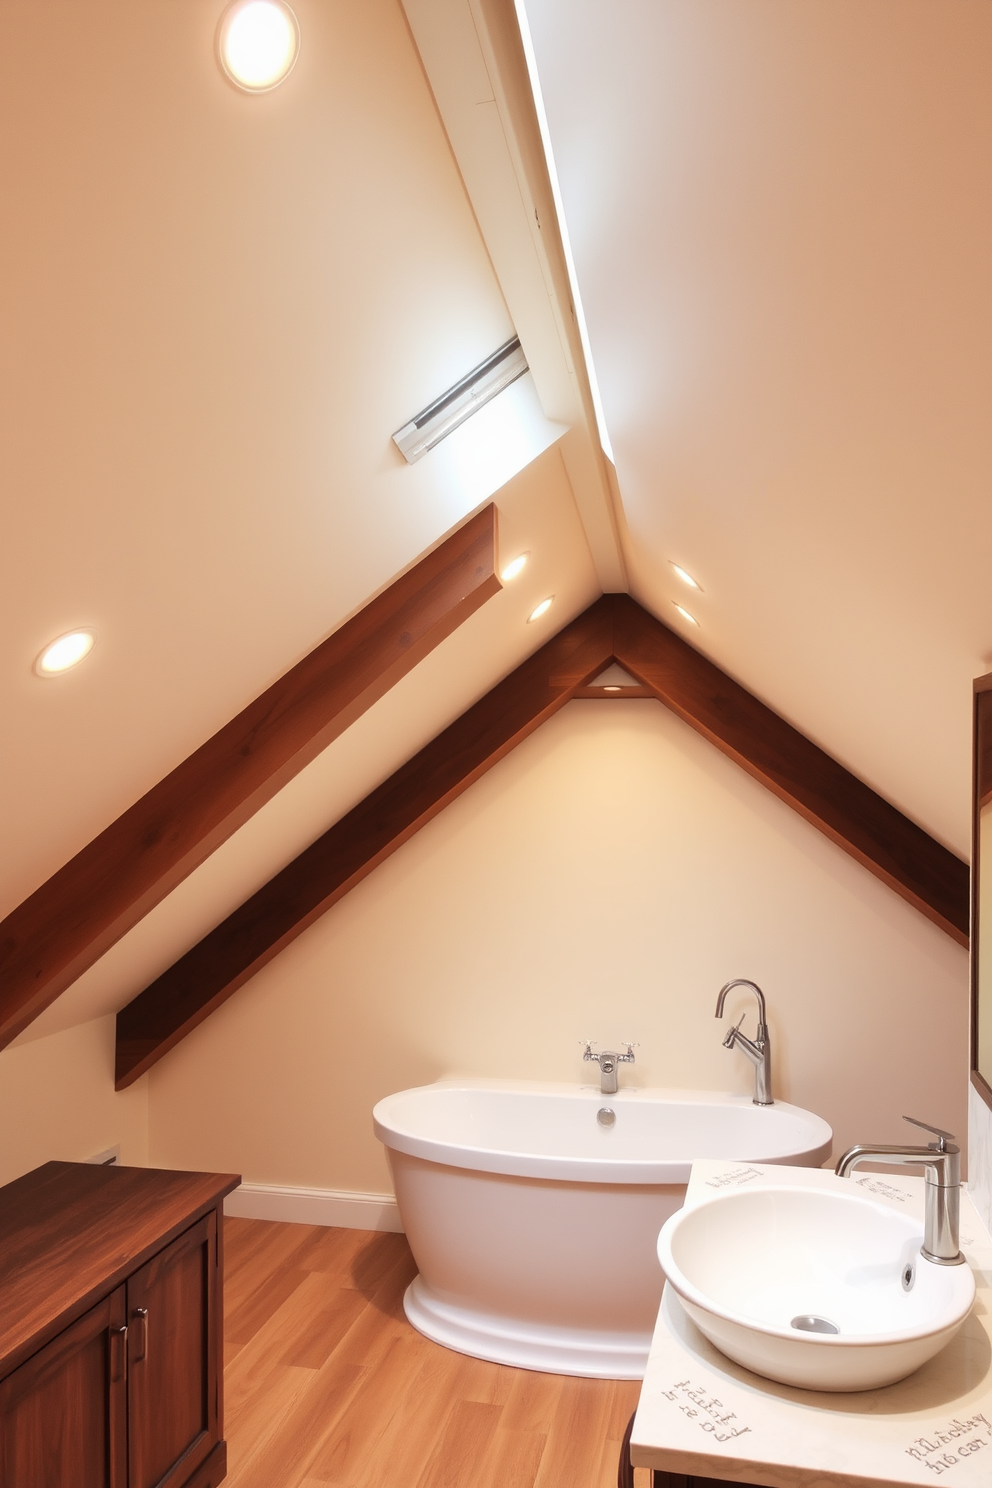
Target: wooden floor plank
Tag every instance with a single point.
(532, 1401)
(284, 1457)
(375, 1260)
(322, 1330)
(375, 1433)
(625, 1395)
(245, 1319)
(261, 1427)
(328, 1386)
(264, 1355)
(417, 1418)
(263, 1253)
(573, 1450)
(513, 1461)
(334, 1250)
(462, 1449)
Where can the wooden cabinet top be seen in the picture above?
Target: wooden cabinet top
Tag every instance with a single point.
(71, 1232)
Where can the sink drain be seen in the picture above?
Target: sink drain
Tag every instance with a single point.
(808, 1322)
(605, 1116)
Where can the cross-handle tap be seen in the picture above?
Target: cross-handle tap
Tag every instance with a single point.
(608, 1060)
(758, 1050)
(942, 1161)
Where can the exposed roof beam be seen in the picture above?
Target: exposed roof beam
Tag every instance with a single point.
(73, 918)
(306, 888)
(813, 783)
(616, 629)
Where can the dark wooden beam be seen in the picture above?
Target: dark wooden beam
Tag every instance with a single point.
(615, 628)
(73, 918)
(873, 831)
(280, 911)
(611, 694)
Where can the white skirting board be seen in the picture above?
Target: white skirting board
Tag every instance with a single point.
(315, 1206)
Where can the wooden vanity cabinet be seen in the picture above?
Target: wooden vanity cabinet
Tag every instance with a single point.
(65, 1403)
(111, 1289)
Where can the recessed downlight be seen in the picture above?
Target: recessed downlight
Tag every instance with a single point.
(64, 652)
(515, 567)
(258, 43)
(685, 576)
(612, 687)
(541, 609)
(685, 613)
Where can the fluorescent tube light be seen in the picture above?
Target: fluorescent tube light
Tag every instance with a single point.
(444, 415)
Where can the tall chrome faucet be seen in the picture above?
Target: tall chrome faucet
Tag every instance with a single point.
(759, 1050)
(608, 1061)
(942, 1161)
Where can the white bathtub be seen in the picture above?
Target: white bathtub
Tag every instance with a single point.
(534, 1227)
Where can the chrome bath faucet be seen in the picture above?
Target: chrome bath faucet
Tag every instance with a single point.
(942, 1161)
(608, 1061)
(757, 1050)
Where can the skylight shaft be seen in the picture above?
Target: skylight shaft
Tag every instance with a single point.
(573, 280)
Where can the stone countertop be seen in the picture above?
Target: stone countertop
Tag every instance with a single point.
(700, 1413)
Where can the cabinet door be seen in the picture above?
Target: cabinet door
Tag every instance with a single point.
(172, 1360)
(63, 1413)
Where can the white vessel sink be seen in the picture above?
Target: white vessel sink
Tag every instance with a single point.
(767, 1273)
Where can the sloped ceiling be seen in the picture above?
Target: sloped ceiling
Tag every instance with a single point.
(781, 218)
(217, 308)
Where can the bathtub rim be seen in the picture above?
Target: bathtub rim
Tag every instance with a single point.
(584, 1169)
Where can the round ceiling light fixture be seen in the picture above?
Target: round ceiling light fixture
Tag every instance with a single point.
(541, 609)
(258, 43)
(64, 652)
(514, 567)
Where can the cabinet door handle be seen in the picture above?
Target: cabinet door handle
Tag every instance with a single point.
(140, 1317)
(118, 1354)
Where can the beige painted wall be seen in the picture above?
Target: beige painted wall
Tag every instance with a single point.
(602, 882)
(57, 1100)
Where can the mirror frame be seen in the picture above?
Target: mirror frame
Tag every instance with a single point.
(981, 788)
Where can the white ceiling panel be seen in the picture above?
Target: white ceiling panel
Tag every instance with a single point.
(781, 218)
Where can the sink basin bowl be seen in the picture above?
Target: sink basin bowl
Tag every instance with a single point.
(816, 1287)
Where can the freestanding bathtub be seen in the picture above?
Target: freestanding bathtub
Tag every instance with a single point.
(534, 1226)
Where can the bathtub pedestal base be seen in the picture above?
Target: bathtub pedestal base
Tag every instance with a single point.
(525, 1345)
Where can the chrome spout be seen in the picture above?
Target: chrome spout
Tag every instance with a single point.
(608, 1062)
(758, 1049)
(941, 1161)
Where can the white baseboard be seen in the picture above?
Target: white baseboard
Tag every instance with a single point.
(315, 1206)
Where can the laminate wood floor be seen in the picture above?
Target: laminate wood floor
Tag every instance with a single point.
(327, 1383)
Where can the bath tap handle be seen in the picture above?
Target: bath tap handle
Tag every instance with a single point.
(628, 1058)
(939, 1133)
(729, 1041)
